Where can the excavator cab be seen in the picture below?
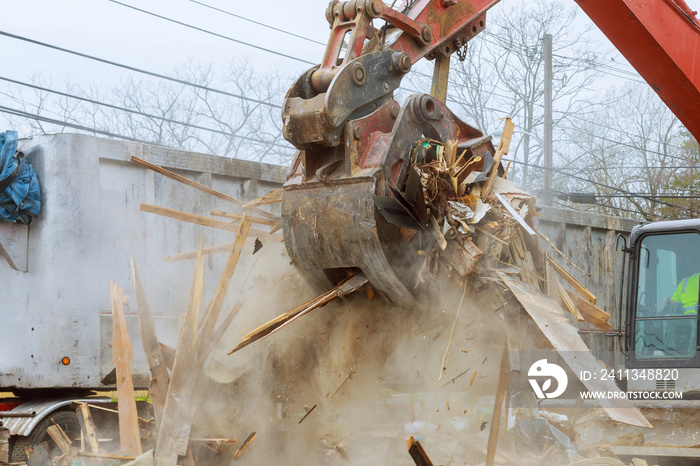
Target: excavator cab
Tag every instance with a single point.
(662, 306)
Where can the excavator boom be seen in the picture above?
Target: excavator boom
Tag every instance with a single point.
(661, 40)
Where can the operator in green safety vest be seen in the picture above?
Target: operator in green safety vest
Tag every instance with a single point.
(687, 294)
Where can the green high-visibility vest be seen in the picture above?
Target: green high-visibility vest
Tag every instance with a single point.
(687, 293)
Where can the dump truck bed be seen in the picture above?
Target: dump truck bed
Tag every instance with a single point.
(56, 271)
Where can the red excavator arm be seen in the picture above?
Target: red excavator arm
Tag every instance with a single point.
(353, 201)
(661, 39)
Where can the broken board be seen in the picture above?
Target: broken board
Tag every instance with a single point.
(564, 337)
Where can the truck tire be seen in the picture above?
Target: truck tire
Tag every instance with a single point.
(68, 422)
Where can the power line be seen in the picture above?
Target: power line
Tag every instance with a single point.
(595, 123)
(137, 112)
(139, 70)
(556, 170)
(622, 196)
(258, 23)
(20, 113)
(614, 208)
(634, 147)
(211, 32)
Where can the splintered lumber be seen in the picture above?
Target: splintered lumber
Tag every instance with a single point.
(195, 185)
(551, 245)
(415, 449)
(238, 217)
(352, 372)
(503, 147)
(572, 281)
(105, 456)
(158, 386)
(61, 439)
(591, 313)
(273, 197)
(129, 435)
(246, 444)
(217, 441)
(437, 234)
(88, 426)
(463, 257)
(212, 314)
(515, 215)
(564, 337)
(567, 301)
(168, 355)
(497, 407)
(208, 346)
(205, 252)
(308, 411)
(186, 217)
(143, 421)
(350, 285)
(179, 404)
(455, 378)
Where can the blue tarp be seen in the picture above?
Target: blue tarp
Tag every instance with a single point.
(20, 197)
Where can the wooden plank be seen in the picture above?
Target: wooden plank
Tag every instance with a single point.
(566, 301)
(129, 434)
(418, 454)
(437, 234)
(158, 386)
(497, 407)
(144, 422)
(61, 440)
(273, 197)
(564, 337)
(515, 215)
(178, 412)
(550, 284)
(661, 452)
(591, 313)
(463, 257)
(492, 236)
(503, 147)
(187, 217)
(551, 245)
(106, 456)
(343, 289)
(639, 462)
(88, 426)
(246, 443)
(572, 281)
(239, 217)
(195, 185)
(208, 346)
(193, 254)
(212, 314)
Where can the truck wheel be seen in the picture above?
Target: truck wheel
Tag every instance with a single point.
(68, 422)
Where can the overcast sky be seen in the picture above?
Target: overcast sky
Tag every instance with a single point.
(112, 31)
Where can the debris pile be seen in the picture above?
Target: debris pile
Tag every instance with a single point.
(484, 248)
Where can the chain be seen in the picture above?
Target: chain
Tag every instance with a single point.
(462, 52)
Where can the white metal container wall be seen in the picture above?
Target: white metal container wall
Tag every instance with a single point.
(85, 236)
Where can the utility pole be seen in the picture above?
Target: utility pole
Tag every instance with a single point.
(547, 200)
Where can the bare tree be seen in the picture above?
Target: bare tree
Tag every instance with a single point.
(636, 152)
(165, 112)
(503, 75)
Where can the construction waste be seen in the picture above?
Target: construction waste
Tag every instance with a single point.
(353, 384)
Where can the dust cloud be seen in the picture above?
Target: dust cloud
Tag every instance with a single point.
(369, 370)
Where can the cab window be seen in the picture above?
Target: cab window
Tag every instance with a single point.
(668, 287)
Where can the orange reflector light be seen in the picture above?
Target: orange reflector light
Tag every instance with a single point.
(65, 361)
